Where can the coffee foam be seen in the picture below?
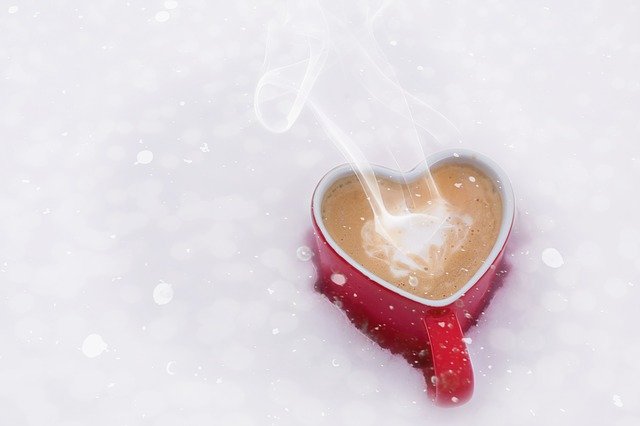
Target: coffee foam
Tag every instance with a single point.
(429, 245)
(413, 241)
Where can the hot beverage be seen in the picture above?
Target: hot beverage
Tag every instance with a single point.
(430, 243)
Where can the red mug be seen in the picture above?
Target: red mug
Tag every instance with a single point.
(428, 333)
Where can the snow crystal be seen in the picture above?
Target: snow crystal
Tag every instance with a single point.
(338, 279)
(163, 293)
(93, 345)
(170, 4)
(163, 16)
(144, 157)
(617, 401)
(413, 281)
(552, 258)
(304, 253)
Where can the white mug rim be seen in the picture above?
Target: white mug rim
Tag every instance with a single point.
(484, 163)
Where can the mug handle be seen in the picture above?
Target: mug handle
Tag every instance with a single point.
(450, 375)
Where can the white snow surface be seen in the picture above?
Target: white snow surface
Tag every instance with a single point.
(218, 207)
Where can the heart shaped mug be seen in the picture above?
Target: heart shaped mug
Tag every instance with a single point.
(428, 333)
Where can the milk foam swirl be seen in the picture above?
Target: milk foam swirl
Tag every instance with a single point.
(416, 241)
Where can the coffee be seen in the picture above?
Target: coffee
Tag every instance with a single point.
(473, 209)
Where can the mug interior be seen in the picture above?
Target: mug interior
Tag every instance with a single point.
(490, 168)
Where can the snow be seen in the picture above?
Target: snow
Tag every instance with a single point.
(163, 293)
(90, 89)
(304, 253)
(93, 345)
(552, 257)
(338, 279)
(144, 157)
(163, 16)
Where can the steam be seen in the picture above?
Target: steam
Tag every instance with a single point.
(324, 56)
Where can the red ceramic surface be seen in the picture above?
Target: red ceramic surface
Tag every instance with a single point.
(428, 333)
